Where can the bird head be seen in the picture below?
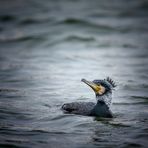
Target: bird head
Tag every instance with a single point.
(101, 87)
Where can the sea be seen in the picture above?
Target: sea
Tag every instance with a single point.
(47, 47)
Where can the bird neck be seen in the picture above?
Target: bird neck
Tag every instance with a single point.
(106, 98)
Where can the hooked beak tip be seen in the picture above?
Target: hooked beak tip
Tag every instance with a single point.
(83, 80)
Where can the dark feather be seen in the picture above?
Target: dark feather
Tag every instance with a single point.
(111, 82)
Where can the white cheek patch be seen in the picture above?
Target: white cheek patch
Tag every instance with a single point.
(102, 90)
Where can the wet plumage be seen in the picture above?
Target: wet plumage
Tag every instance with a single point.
(83, 108)
(103, 90)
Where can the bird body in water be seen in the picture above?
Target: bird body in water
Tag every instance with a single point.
(103, 90)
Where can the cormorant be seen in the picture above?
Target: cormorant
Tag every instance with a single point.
(103, 91)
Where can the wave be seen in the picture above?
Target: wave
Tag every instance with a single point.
(34, 21)
(84, 23)
(140, 97)
(29, 21)
(6, 145)
(21, 38)
(8, 90)
(79, 38)
(7, 18)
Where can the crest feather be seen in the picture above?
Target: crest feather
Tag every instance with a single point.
(111, 82)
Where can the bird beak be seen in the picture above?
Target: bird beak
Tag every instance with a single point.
(97, 88)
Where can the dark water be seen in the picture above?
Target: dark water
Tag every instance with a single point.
(46, 47)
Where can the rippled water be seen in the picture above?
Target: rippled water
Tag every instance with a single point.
(46, 47)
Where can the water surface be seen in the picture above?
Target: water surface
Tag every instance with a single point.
(46, 47)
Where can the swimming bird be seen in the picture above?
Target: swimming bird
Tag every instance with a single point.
(103, 91)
